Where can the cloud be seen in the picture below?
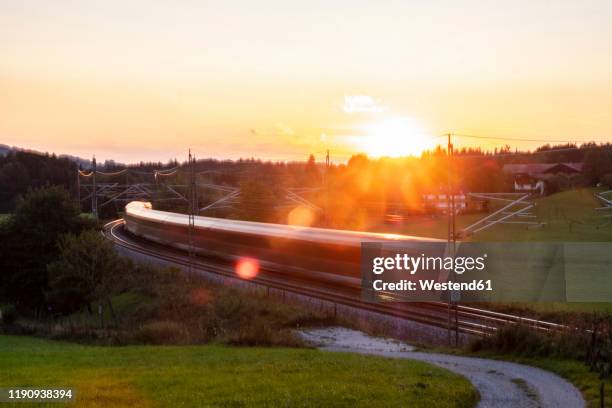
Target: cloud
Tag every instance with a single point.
(284, 130)
(362, 104)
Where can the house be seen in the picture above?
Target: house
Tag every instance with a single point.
(439, 202)
(531, 177)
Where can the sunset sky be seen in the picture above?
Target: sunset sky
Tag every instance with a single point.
(145, 80)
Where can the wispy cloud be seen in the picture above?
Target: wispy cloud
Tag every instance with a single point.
(362, 104)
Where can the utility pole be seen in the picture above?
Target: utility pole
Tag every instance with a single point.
(94, 196)
(454, 236)
(451, 240)
(192, 209)
(78, 180)
(451, 237)
(127, 183)
(448, 228)
(327, 164)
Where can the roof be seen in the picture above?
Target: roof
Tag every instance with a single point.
(542, 168)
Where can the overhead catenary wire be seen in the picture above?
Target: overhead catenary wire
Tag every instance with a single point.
(520, 139)
(573, 143)
(110, 174)
(514, 139)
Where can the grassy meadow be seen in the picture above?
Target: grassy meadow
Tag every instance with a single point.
(221, 376)
(568, 216)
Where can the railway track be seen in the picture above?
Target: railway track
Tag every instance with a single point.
(468, 320)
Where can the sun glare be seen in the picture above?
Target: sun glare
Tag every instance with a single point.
(393, 137)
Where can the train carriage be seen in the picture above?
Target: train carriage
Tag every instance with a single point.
(314, 252)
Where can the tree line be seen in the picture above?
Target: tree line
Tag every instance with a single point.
(343, 190)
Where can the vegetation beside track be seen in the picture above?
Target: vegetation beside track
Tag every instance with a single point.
(77, 288)
(195, 376)
(162, 306)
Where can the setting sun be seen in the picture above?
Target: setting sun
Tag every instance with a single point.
(392, 137)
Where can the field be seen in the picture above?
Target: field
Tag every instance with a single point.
(201, 376)
(569, 216)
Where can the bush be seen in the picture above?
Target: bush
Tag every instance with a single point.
(588, 339)
(262, 335)
(577, 180)
(524, 341)
(161, 332)
(28, 243)
(557, 183)
(8, 314)
(606, 180)
(87, 269)
(229, 307)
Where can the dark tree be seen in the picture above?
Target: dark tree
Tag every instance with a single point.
(88, 269)
(29, 242)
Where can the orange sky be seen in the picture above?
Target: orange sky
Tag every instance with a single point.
(146, 80)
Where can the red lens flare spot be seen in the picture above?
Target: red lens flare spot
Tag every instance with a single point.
(200, 296)
(247, 268)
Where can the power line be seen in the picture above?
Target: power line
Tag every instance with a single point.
(518, 139)
(513, 139)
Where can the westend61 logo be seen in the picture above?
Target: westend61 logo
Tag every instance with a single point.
(424, 271)
(434, 273)
(412, 264)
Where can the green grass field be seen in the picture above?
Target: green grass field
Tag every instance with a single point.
(568, 216)
(216, 376)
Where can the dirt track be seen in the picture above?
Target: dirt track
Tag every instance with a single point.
(501, 384)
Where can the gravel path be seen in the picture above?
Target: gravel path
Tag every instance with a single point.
(501, 384)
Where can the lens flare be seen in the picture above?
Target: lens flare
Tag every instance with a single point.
(247, 268)
(301, 216)
(200, 296)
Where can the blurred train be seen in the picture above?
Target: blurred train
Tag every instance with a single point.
(312, 253)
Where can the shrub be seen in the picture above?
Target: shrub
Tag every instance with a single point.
(308, 318)
(606, 180)
(161, 332)
(588, 339)
(557, 183)
(261, 334)
(8, 314)
(527, 342)
(229, 307)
